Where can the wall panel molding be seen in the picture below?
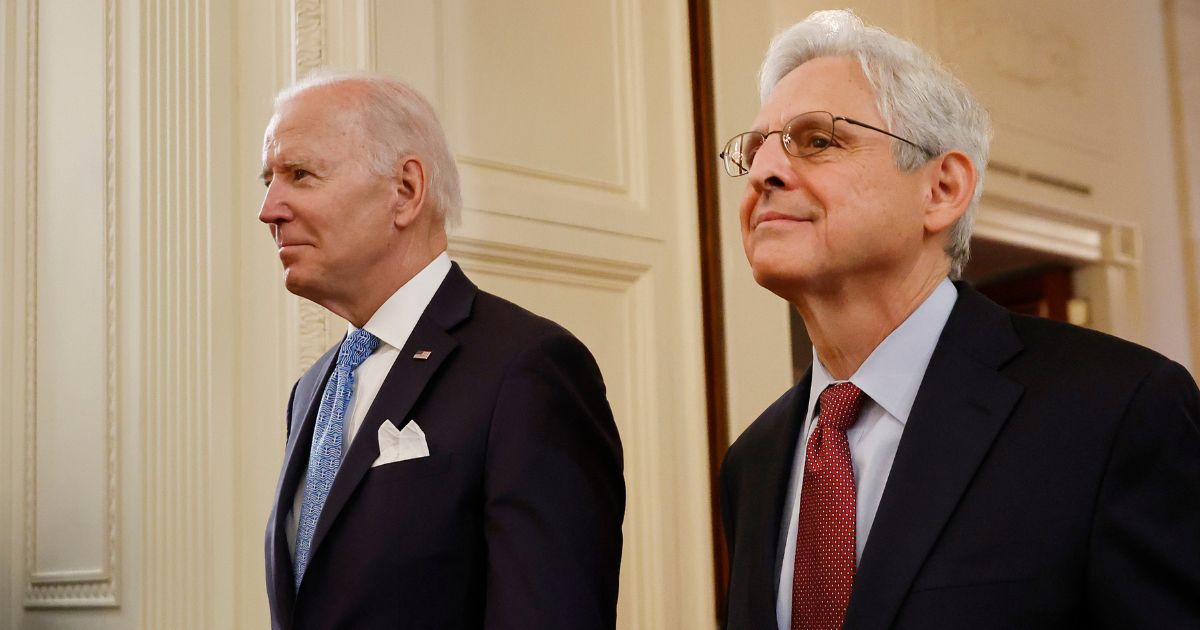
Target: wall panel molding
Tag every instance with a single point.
(469, 54)
(633, 394)
(83, 587)
(546, 264)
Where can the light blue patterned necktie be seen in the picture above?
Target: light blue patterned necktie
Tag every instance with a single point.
(326, 453)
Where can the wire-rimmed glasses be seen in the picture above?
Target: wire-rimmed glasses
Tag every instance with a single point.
(807, 134)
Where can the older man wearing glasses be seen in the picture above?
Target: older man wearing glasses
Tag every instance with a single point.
(945, 463)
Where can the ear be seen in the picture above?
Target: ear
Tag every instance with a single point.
(410, 184)
(951, 181)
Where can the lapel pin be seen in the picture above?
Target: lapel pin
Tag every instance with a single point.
(422, 355)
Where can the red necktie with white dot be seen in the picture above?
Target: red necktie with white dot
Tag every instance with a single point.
(824, 572)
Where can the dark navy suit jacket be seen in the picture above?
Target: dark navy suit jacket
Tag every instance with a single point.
(1048, 477)
(514, 519)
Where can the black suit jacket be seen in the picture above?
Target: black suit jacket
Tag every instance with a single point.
(1048, 477)
(514, 519)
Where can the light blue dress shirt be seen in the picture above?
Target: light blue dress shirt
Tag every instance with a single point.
(890, 377)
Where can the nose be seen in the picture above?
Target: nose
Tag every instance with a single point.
(772, 166)
(275, 209)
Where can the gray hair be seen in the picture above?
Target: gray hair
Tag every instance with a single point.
(915, 94)
(396, 120)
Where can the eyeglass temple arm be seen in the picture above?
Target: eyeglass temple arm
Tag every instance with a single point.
(884, 132)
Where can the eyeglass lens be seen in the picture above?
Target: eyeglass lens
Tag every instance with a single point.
(802, 136)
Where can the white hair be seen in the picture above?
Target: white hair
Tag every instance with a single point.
(918, 97)
(396, 121)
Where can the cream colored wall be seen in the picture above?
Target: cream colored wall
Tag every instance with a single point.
(1080, 94)
(145, 443)
(118, 391)
(147, 346)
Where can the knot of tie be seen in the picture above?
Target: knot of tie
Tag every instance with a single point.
(356, 348)
(840, 404)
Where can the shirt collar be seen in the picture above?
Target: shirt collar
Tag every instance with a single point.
(396, 318)
(893, 372)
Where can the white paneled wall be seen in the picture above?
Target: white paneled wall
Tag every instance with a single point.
(150, 345)
(147, 346)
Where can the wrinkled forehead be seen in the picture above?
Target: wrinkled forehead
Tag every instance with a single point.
(831, 84)
(307, 120)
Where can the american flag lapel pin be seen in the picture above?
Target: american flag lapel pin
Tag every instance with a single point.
(422, 355)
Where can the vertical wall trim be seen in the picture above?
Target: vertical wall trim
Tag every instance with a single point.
(31, 172)
(1183, 162)
(711, 289)
(11, 235)
(112, 383)
(177, 361)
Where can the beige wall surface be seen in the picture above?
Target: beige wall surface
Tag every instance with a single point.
(1082, 166)
(147, 346)
(150, 346)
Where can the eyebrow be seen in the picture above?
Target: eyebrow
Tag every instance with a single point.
(287, 165)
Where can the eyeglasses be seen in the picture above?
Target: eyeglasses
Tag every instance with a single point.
(807, 134)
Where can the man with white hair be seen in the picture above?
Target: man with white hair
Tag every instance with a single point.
(453, 462)
(945, 463)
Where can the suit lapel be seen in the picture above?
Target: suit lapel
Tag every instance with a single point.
(771, 475)
(780, 475)
(307, 400)
(400, 391)
(961, 406)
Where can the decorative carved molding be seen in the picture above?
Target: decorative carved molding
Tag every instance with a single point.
(85, 588)
(1084, 238)
(308, 52)
(314, 327)
(31, 195)
(1106, 254)
(112, 433)
(308, 38)
(75, 590)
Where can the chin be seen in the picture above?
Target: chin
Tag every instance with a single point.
(784, 280)
(777, 261)
(780, 284)
(297, 284)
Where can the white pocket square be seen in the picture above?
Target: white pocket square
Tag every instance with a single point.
(397, 445)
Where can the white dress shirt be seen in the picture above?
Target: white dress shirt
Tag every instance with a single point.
(392, 323)
(890, 378)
